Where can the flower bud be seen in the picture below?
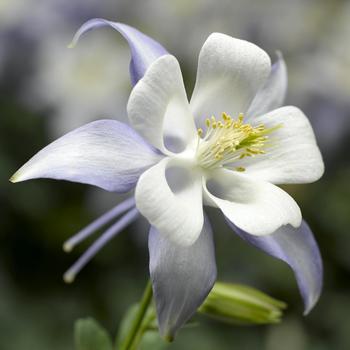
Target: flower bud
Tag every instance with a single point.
(239, 304)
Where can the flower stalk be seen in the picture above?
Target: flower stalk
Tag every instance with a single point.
(136, 326)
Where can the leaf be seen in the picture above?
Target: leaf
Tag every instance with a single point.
(151, 340)
(89, 335)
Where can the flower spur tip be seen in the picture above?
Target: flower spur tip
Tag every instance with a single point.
(67, 247)
(117, 227)
(69, 277)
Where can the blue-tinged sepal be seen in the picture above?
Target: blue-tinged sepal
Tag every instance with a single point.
(298, 248)
(182, 277)
(144, 50)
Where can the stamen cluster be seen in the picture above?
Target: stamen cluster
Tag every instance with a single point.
(229, 140)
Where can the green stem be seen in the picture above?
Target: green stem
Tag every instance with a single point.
(137, 322)
(145, 326)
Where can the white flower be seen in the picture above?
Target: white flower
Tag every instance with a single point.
(272, 148)
(228, 147)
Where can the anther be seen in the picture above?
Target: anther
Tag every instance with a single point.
(228, 140)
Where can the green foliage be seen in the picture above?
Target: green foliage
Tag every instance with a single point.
(230, 303)
(89, 335)
(151, 340)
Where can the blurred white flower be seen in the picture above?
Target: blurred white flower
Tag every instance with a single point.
(11, 11)
(284, 25)
(321, 81)
(37, 18)
(26, 23)
(327, 68)
(80, 85)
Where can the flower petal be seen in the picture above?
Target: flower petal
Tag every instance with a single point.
(254, 206)
(104, 153)
(170, 197)
(230, 72)
(298, 248)
(182, 277)
(144, 50)
(294, 156)
(272, 94)
(158, 106)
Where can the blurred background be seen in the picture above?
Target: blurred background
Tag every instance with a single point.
(47, 90)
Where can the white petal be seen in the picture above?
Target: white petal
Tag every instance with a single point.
(158, 106)
(230, 72)
(170, 197)
(294, 156)
(272, 94)
(104, 153)
(256, 207)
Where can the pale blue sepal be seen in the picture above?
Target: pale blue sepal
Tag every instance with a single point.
(104, 153)
(298, 248)
(144, 50)
(272, 95)
(182, 277)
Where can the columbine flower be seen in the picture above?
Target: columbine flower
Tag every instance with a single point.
(223, 149)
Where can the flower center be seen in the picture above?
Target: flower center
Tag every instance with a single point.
(228, 140)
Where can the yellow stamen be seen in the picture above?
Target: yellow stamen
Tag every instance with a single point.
(229, 140)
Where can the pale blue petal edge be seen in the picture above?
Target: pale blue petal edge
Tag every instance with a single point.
(298, 248)
(144, 50)
(272, 95)
(182, 277)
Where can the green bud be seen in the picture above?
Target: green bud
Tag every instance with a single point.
(239, 304)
